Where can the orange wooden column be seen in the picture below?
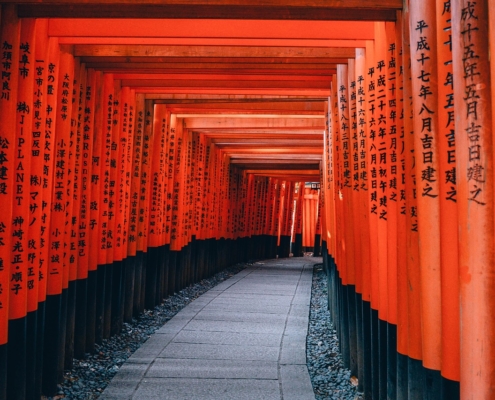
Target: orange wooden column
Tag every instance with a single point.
(122, 179)
(96, 174)
(372, 164)
(475, 198)
(449, 252)
(298, 219)
(274, 207)
(59, 133)
(382, 164)
(10, 35)
(144, 186)
(402, 286)
(39, 77)
(412, 237)
(136, 160)
(105, 130)
(113, 120)
(327, 181)
(157, 174)
(307, 218)
(126, 170)
(71, 226)
(354, 218)
(177, 192)
(75, 156)
(169, 168)
(63, 170)
(201, 188)
(269, 207)
(187, 201)
(288, 216)
(155, 266)
(58, 124)
(346, 182)
(332, 137)
(363, 201)
(425, 102)
(77, 227)
(206, 194)
(86, 168)
(393, 171)
(105, 253)
(20, 274)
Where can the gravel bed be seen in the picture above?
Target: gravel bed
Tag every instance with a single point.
(89, 377)
(330, 379)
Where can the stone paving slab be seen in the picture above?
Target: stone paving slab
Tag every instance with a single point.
(252, 308)
(234, 326)
(215, 315)
(212, 369)
(243, 339)
(235, 338)
(207, 389)
(220, 352)
(277, 301)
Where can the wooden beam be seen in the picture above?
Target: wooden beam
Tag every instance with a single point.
(338, 11)
(266, 123)
(249, 68)
(272, 103)
(218, 77)
(267, 150)
(286, 146)
(164, 61)
(237, 84)
(359, 4)
(225, 29)
(146, 90)
(278, 165)
(272, 133)
(222, 98)
(248, 107)
(94, 40)
(86, 50)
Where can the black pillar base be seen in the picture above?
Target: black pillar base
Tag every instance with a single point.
(16, 359)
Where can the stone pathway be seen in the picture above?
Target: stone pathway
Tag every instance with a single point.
(243, 339)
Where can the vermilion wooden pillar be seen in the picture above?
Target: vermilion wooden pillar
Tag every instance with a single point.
(402, 287)
(132, 232)
(449, 253)
(36, 308)
(127, 127)
(475, 199)
(55, 225)
(105, 258)
(412, 238)
(72, 212)
(382, 175)
(363, 210)
(370, 82)
(83, 243)
(346, 182)
(20, 274)
(63, 179)
(114, 231)
(422, 25)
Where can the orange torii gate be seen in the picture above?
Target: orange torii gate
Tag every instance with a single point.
(131, 167)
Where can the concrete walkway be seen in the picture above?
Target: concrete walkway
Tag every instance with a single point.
(243, 339)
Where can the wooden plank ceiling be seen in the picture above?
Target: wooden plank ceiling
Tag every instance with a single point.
(253, 76)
